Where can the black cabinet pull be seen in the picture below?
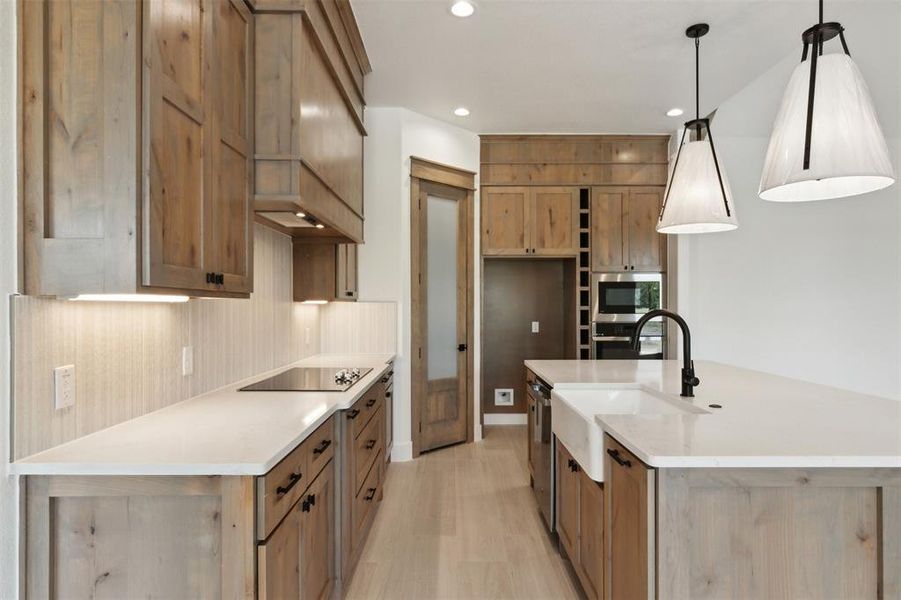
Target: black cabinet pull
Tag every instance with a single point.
(614, 454)
(293, 478)
(210, 277)
(569, 463)
(311, 499)
(387, 394)
(370, 494)
(461, 348)
(370, 444)
(322, 446)
(352, 414)
(371, 402)
(305, 506)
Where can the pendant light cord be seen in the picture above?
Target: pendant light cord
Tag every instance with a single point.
(698, 83)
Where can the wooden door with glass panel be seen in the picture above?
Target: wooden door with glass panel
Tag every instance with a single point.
(444, 263)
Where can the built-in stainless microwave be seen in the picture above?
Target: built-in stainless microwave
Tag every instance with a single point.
(618, 301)
(624, 297)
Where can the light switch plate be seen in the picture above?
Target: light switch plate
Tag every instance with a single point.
(503, 397)
(63, 386)
(534, 326)
(187, 360)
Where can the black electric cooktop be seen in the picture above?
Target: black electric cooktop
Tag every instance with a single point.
(310, 379)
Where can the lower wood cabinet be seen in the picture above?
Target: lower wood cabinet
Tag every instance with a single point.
(295, 532)
(363, 471)
(629, 524)
(580, 522)
(297, 561)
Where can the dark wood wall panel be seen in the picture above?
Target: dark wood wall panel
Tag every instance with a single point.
(516, 292)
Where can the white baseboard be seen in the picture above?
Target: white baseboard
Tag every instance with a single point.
(402, 451)
(506, 419)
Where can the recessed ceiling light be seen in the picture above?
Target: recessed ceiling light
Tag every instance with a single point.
(674, 112)
(461, 111)
(462, 8)
(301, 214)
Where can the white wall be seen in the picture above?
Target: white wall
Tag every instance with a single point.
(9, 485)
(810, 290)
(396, 134)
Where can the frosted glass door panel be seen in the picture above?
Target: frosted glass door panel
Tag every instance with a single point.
(441, 290)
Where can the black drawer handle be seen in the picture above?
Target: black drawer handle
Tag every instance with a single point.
(370, 494)
(387, 394)
(614, 454)
(387, 377)
(370, 444)
(371, 402)
(293, 478)
(352, 414)
(305, 506)
(312, 499)
(322, 446)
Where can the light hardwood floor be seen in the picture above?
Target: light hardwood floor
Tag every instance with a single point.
(462, 523)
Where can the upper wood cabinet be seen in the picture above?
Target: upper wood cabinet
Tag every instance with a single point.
(309, 63)
(520, 221)
(623, 229)
(346, 275)
(555, 221)
(137, 144)
(324, 272)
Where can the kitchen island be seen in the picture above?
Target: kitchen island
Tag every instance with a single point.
(758, 487)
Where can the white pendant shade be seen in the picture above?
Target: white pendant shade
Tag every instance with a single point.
(694, 203)
(848, 154)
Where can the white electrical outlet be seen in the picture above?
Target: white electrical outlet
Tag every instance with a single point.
(64, 386)
(534, 326)
(503, 397)
(187, 360)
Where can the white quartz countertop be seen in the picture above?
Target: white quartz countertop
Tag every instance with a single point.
(223, 432)
(765, 420)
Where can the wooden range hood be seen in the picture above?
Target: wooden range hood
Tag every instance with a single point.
(309, 69)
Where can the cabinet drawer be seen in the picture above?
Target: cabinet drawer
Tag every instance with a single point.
(366, 447)
(364, 504)
(280, 488)
(364, 408)
(319, 448)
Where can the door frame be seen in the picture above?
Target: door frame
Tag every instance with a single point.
(432, 176)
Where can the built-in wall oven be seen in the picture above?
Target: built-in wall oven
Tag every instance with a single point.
(618, 301)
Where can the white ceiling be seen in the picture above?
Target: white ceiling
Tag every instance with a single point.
(591, 66)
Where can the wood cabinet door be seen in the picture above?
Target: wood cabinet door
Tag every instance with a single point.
(318, 537)
(568, 503)
(229, 229)
(607, 244)
(591, 536)
(505, 221)
(346, 276)
(646, 247)
(555, 221)
(279, 560)
(315, 272)
(177, 202)
(628, 525)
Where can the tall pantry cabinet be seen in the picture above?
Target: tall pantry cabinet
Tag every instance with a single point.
(137, 146)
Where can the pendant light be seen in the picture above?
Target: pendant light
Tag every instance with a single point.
(697, 197)
(826, 141)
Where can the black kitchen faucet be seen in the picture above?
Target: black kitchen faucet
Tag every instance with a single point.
(689, 381)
